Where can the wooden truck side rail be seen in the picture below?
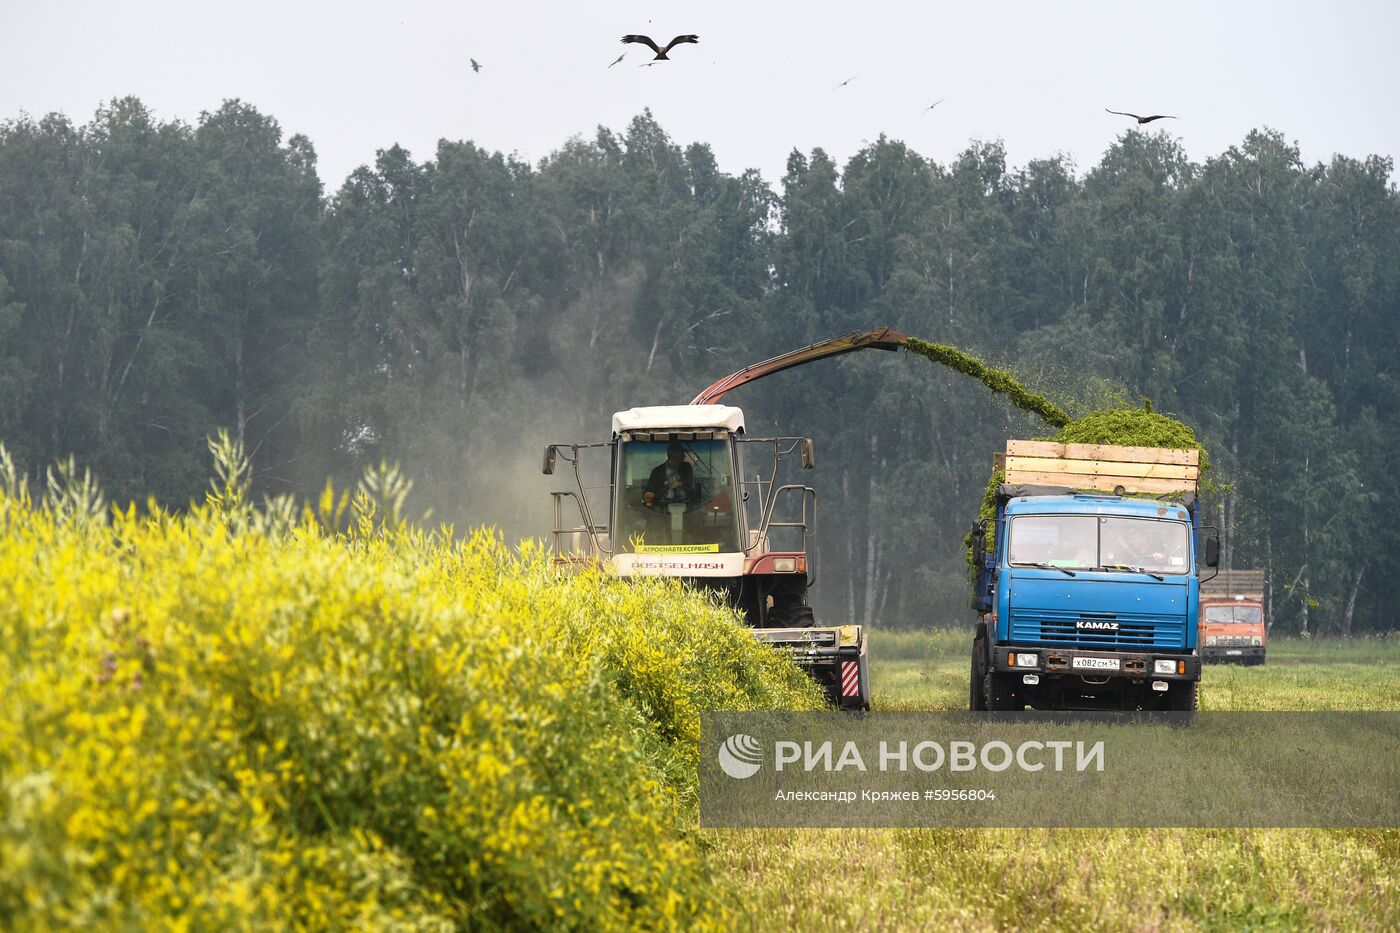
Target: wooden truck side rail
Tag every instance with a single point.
(1101, 467)
(1230, 583)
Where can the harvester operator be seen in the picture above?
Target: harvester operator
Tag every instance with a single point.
(672, 482)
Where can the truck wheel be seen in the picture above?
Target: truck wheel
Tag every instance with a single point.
(1184, 697)
(977, 696)
(1000, 693)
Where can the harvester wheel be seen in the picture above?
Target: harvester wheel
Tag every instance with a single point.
(798, 615)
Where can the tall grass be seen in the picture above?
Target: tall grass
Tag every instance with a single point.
(243, 717)
(284, 716)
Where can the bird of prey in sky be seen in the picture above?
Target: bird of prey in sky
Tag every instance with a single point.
(475, 66)
(663, 49)
(846, 82)
(1141, 120)
(932, 105)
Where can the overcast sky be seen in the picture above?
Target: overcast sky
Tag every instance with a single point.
(356, 76)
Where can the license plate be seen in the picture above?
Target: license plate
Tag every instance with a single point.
(1095, 664)
(1234, 651)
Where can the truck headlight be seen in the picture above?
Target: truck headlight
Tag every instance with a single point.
(785, 565)
(1211, 640)
(1164, 667)
(1258, 641)
(1022, 659)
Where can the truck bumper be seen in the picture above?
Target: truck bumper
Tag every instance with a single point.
(835, 658)
(1060, 661)
(1239, 655)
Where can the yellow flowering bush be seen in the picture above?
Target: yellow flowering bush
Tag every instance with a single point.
(233, 717)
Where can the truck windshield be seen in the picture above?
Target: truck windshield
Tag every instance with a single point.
(1095, 541)
(1234, 613)
(675, 497)
(1156, 546)
(1069, 541)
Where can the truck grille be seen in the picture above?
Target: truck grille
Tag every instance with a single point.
(1135, 629)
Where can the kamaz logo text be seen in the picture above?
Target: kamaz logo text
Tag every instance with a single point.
(1095, 625)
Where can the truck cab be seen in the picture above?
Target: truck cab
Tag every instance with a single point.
(1233, 630)
(1088, 598)
(1232, 619)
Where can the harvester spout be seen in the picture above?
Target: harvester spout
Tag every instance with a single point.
(881, 338)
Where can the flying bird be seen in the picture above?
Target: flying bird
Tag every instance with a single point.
(660, 50)
(475, 66)
(618, 59)
(1141, 120)
(846, 82)
(932, 105)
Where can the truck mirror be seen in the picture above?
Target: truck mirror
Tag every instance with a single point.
(1213, 551)
(549, 455)
(979, 542)
(809, 457)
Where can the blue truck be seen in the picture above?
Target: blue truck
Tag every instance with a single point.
(1087, 580)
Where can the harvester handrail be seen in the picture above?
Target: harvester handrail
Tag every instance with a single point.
(803, 524)
(766, 488)
(580, 498)
(559, 529)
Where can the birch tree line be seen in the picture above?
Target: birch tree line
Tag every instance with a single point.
(453, 311)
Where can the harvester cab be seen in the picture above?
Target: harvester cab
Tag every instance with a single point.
(683, 500)
(689, 494)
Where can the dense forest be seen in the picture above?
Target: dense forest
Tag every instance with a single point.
(159, 281)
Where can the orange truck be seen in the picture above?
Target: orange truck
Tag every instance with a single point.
(1232, 617)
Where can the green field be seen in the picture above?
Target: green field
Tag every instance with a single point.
(233, 718)
(1073, 878)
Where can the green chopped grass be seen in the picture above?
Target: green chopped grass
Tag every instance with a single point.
(997, 380)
